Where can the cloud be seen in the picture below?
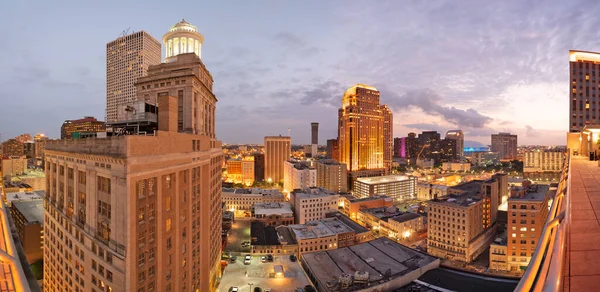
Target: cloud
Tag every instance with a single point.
(530, 132)
(430, 103)
(420, 127)
(325, 93)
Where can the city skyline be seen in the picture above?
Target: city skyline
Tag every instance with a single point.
(438, 66)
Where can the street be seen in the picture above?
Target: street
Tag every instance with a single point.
(239, 232)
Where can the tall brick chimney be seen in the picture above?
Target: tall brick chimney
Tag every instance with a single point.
(167, 113)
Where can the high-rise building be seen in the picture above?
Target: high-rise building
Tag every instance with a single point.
(429, 144)
(550, 160)
(506, 145)
(527, 212)
(298, 175)
(412, 145)
(333, 151)
(584, 70)
(127, 59)
(447, 150)
(460, 142)
(314, 139)
(80, 126)
(277, 151)
(259, 166)
(12, 147)
(399, 146)
(364, 130)
(139, 212)
(332, 175)
(397, 187)
(40, 142)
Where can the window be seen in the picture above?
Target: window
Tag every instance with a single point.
(109, 276)
(104, 184)
(168, 224)
(168, 203)
(104, 209)
(169, 243)
(104, 231)
(141, 276)
(141, 214)
(70, 173)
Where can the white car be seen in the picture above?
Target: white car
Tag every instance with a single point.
(247, 260)
(233, 289)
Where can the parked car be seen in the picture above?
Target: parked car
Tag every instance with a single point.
(232, 259)
(293, 258)
(268, 290)
(257, 289)
(270, 258)
(233, 289)
(247, 260)
(263, 259)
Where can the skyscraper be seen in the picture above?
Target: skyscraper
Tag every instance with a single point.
(412, 146)
(314, 135)
(138, 212)
(460, 141)
(584, 73)
(364, 130)
(127, 59)
(277, 151)
(506, 145)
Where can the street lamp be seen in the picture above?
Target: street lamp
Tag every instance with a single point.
(250, 284)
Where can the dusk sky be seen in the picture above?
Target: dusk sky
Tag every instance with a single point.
(479, 66)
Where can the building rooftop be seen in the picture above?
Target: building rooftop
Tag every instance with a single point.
(383, 179)
(382, 212)
(273, 209)
(263, 235)
(354, 199)
(33, 211)
(535, 192)
(502, 239)
(253, 192)
(312, 192)
(468, 197)
(405, 217)
(25, 196)
(12, 274)
(285, 235)
(325, 227)
(329, 162)
(349, 222)
(383, 259)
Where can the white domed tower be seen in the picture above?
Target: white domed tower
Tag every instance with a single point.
(182, 38)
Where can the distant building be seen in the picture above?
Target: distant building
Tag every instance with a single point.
(29, 149)
(298, 175)
(23, 138)
(456, 166)
(390, 222)
(241, 201)
(429, 145)
(543, 161)
(333, 151)
(40, 141)
(328, 233)
(484, 158)
(582, 108)
(28, 217)
(352, 205)
(313, 204)
(273, 214)
(412, 145)
(397, 187)
(73, 128)
(459, 137)
(365, 135)
(12, 147)
(448, 150)
(429, 191)
(13, 166)
(259, 166)
(400, 147)
(314, 141)
(277, 151)
(241, 170)
(380, 265)
(332, 175)
(506, 145)
(527, 213)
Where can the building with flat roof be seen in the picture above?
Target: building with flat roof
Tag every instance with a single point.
(352, 205)
(313, 204)
(241, 201)
(13, 147)
(582, 110)
(397, 187)
(277, 152)
(391, 222)
(265, 239)
(274, 214)
(506, 145)
(24, 196)
(12, 274)
(498, 253)
(379, 264)
(429, 191)
(33, 177)
(332, 175)
(13, 166)
(28, 217)
(298, 175)
(548, 160)
(79, 126)
(241, 170)
(328, 233)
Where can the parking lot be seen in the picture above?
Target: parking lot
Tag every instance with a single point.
(239, 232)
(259, 275)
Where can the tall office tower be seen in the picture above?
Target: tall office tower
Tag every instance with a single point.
(182, 38)
(259, 166)
(447, 150)
(85, 125)
(314, 133)
(412, 145)
(429, 142)
(460, 142)
(139, 212)
(333, 151)
(332, 175)
(527, 212)
(364, 130)
(127, 59)
(12, 147)
(277, 151)
(506, 145)
(400, 147)
(584, 73)
(40, 142)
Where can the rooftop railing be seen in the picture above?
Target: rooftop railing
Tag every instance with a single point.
(545, 270)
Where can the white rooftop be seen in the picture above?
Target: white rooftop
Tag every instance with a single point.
(25, 196)
(320, 228)
(383, 179)
(273, 209)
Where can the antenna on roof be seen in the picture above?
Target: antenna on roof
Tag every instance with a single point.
(289, 132)
(125, 32)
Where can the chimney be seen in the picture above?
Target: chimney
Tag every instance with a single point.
(167, 113)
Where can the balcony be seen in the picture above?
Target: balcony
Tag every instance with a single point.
(569, 249)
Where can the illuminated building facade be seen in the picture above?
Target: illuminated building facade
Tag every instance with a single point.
(333, 151)
(459, 137)
(550, 160)
(241, 170)
(277, 152)
(332, 175)
(584, 105)
(412, 145)
(85, 125)
(12, 147)
(397, 187)
(259, 166)
(364, 130)
(506, 145)
(298, 175)
(127, 59)
(527, 212)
